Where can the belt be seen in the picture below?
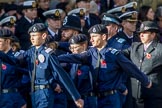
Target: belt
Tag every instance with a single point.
(106, 93)
(40, 87)
(9, 90)
(88, 95)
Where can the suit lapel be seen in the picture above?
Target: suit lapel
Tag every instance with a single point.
(151, 47)
(140, 51)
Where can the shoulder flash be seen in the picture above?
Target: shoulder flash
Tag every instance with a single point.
(48, 50)
(114, 51)
(121, 40)
(17, 54)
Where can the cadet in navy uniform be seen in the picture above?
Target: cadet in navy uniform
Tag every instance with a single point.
(53, 18)
(44, 70)
(9, 76)
(26, 21)
(81, 73)
(147, 55)
(90, 18)
(118, 42)
(9, 23)
(129, 21)
(106, 64)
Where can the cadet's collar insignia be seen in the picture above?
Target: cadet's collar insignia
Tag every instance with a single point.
(94, 30)
(41, 58)
(79, 72)
(34, 29)
(4, 67)
(65, 20)
(123, 9)
(148, 56)
(33, 4)
(103, 62)
(12, 21)
(57, 13)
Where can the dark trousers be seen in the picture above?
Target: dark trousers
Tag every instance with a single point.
(153, 103)
(110, 101)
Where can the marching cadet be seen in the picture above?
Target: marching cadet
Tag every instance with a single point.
(8, 23)
(146, 55)
(26, 21)
(113, 24)
(81, 74)
(106, 64)
(44, 69)
(9, 76)
(53, 18)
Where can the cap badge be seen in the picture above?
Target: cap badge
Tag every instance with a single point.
(65, 20)
(57, 13)
(134, 5)
(94, 30)
(34, 29)
(134, 15)
(41, 58)
(34, 4)
(123, 9)
(12, 21)
(72, 41)
(81, 12)
(142, 26)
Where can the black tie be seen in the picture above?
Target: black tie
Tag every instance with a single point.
(34, 70)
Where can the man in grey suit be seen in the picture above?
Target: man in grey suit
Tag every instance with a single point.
(147, 55)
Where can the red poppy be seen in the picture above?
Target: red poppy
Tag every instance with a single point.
(36, 62)
(148, 56)
(103, 62)
(79, 72)
(4, 67)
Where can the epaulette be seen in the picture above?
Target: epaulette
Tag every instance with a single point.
(114, 51)
(17, 54)
(121, 40)
(49, 50)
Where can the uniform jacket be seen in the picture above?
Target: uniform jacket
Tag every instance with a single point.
(150, 63)
(47, 68)
(109, 72)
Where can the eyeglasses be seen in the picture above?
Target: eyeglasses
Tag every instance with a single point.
(74, 47)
